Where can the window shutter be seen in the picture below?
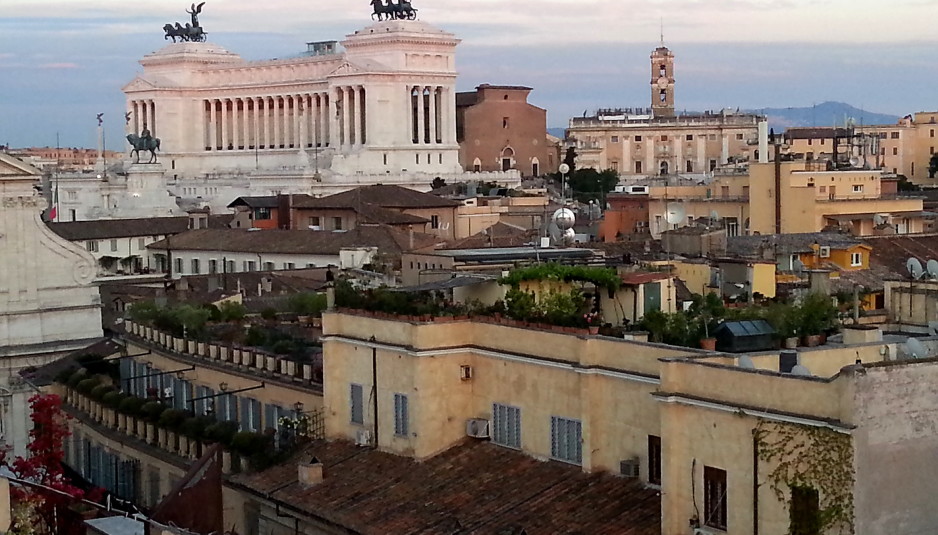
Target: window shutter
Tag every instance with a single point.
(243, 414)
(357, 404)
(125, 372)
(255, 415)
(270, 417)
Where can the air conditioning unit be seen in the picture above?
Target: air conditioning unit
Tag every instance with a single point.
(638, 190)
(629, 467)
(477, 428)
(363, 438)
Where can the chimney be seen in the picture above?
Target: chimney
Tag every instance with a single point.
(310, 474)
(763, 142)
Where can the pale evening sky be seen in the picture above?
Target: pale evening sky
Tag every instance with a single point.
(63, 61)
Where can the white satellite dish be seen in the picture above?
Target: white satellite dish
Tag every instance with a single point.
(801, 370)
(915, 268)
(915, 349)
(797, 266)
(854, 162)
(880, 219)
(675, 213)
(714, 216)
(932, 268)
(746, 362)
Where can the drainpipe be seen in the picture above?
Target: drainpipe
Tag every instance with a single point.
(374, 383)
(778, 188)
(755, 482)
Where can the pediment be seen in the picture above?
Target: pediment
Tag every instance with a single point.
(347, 68)
(16, 168)
(138, 84)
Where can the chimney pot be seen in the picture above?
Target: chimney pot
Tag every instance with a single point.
(310, 474)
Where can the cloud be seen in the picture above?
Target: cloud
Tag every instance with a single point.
(58, 66)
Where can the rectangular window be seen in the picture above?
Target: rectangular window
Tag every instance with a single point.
(566, 440)
(434, 221)
(931, 133)
(856, 259)
(690, 137)
(261, 214)
(715, 498)
(724, 191)
(638, 167)
(664, 138)
(250, 266)
(894, 135)
(615, 139)
(289, 265)
(269, 266)
(858, 188)
(713, 165)
(141, 244)
(810, 142)
(931, 150)
(179, 265)
(213, 266)
(336, 223)
(804, 511)
(314, 222)
(92, 246)
(689, 167)
(638, 139)
(895, 151)
(504, 122)
(506, 425)
(823, 189)
(113, 246)
(230, 266)
(746, 192)
(356, 400)
(739, 137)
(401, 417)
(614, 165)
(195, 266)
(654, 460)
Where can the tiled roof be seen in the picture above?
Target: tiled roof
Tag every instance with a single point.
(890, 253)
(474, 488)
(386, 239)
(638, 278)
(747, 246)
(103, 229)
(44, 375)
(378, 195)
(498, 235)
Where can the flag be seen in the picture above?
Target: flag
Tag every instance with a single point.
(54, 212)
(195, 503)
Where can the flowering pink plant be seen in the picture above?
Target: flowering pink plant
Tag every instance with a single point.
(591, 317)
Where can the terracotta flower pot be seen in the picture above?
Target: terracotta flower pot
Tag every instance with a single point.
(593, 329)
(709, 344)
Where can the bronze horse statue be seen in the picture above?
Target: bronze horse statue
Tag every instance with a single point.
(188, 32)
(389, 11)
(138, 143)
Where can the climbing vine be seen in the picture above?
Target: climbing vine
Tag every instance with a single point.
(814, 457)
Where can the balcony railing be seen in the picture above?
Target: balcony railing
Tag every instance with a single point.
(275, 367)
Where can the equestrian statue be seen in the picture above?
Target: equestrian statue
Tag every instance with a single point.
(388, 10)
(143, 142)
(191, 32)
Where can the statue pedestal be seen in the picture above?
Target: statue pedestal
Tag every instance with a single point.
(147, 192)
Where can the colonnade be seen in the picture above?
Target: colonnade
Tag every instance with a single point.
(430, 117)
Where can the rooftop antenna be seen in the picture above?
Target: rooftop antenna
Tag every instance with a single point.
(662, 32)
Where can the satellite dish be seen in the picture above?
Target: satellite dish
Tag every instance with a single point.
(915, 349)
(880, 219)
(801, 371)
(915, 268)
(933, 328)
(746, 362)
(675, 213)
(798, 267)
(854, 162)
(932, 268)
(564, 218)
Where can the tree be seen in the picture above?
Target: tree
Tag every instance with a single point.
(933, 166)
(437, 183)
(591, 185)
(569, 158)
(42, 508)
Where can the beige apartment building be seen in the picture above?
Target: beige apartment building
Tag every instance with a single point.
(637, 142)
(904, 148)
(811, 198)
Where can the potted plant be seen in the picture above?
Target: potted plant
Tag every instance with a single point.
(592, 322)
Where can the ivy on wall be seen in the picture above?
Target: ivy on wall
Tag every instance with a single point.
(602, 277)
(811, 457)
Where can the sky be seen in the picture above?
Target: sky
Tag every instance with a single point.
(64, 61)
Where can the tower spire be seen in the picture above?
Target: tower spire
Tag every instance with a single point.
(662, 32)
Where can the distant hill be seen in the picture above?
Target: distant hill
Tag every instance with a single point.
(556, 132)
(824, 114)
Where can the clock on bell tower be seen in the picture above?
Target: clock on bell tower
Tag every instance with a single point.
(662, 82)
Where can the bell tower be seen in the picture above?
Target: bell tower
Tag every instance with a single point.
(662, 81)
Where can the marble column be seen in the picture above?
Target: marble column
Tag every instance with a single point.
(214, 125)
(362, 116)
(347, 116)
(152, 107)
(433, 118)
(420, 116)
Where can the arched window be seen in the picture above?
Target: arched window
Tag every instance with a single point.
(535, 167)
(508, 158)
(477, 165)
(664, 168)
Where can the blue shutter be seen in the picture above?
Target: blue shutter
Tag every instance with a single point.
(270, 417)
(125, 372)
(243, 414)
(179, 401)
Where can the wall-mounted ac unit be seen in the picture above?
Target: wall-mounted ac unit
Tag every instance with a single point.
(629, 467)
(477, 428)
(825, 251)
(363, 438)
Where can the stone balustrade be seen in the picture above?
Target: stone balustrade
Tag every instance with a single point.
(244, 358)
(134, 427)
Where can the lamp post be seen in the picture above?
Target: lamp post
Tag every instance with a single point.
(564, 169)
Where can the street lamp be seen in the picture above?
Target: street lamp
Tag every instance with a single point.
(564, 169)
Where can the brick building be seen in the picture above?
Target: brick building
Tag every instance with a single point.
(498, 130)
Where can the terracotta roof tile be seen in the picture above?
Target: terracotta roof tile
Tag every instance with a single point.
(385, 196)
(473, 488)
(126, 228)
